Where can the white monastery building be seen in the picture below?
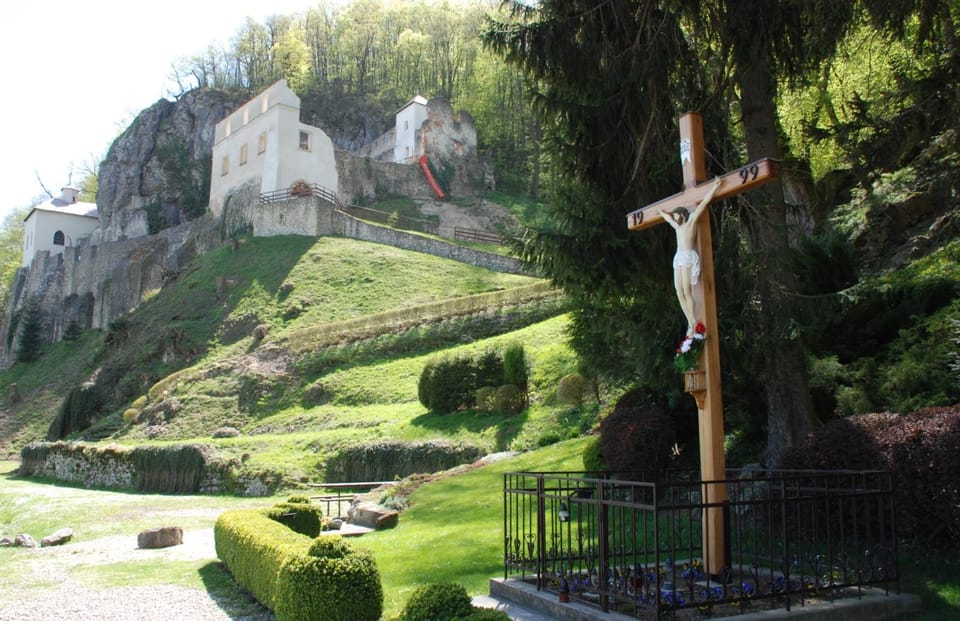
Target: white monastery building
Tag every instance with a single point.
(409, 120)
(56, 223)
(264, 141)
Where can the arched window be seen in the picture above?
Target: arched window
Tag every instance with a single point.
(58, 238)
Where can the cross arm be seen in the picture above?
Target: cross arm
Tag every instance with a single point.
(733, 183)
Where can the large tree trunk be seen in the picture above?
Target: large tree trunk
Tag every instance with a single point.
(789, 407)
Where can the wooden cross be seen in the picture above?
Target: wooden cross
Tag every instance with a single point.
(704, 383)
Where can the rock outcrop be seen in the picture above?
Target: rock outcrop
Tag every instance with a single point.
(157, 173)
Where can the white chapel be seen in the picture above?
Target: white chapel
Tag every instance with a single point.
(57, 223)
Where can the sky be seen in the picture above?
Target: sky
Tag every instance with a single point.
(76, 73)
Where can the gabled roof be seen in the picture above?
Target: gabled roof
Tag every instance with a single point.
(417, 99)
(56, 205)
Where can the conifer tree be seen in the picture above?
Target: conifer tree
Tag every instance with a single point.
(30, 336)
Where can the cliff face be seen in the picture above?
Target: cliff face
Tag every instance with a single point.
(152, 200)
(157, 173)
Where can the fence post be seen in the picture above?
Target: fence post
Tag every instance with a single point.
(541, 532)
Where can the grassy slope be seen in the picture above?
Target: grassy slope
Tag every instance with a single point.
(205, 316)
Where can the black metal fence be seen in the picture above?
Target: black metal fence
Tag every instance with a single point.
(639, 548)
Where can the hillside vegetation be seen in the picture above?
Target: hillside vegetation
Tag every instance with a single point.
(296, 348)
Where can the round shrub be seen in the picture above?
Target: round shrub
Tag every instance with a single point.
(486, 398)
(592, 456)
(636, 437)
(509, 399)
(437, 601)
(314, 588)
(329, 546)
(131, 416)
(572, 389)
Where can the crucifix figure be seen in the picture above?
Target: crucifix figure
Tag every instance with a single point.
(686, 262)
(704, 383)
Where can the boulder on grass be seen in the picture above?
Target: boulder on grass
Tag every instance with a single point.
(25, 541)
(58, 538)
(160, 537)
(372, 515)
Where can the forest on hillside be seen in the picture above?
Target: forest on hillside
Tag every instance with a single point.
(838, 288)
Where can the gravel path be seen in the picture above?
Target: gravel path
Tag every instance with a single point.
(56, 595)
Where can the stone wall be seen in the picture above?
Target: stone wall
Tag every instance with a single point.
(315, 217)
(95, 284)
(348, 226)
(114, 467)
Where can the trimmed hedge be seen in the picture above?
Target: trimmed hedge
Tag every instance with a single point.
(334, 588)
(298, 516)
(172, 469)
(298, 577)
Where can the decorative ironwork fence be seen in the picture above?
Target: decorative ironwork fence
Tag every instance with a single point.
(637, 547)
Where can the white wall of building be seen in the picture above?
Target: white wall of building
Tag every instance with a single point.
(409, 120)
(44, 221)
(262, 140)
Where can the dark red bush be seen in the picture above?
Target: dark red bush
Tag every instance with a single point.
(636, 437)
(922, 450)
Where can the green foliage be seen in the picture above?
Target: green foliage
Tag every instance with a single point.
(11, 252)
(593, 456)
(449, 383)
(437, 601)
(172, 469)
(485, 614)
(299, 516)
(336, 588)
(298, 577)
(188, 181)
(515, 368)
(73, 331)
(573, 389)
(509, 399)
(386, 460)
(254, 548)
(77, 412)
(330, 547)
(29, 331)
(486, 399)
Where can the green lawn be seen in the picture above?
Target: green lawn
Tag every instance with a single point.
(451, 532)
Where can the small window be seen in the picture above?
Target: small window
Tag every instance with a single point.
(58, 238)
(262, 143)
(224, 165)
(243, 154)
(406, 125)
(228, 128)
(264, 103)
(305, 140)
(246, 115)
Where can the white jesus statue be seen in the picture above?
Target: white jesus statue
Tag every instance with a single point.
(686, 263)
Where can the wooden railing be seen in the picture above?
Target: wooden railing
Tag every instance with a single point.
(473, 235)
(300, 191)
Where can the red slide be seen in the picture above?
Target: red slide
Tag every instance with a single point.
(430, 179)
